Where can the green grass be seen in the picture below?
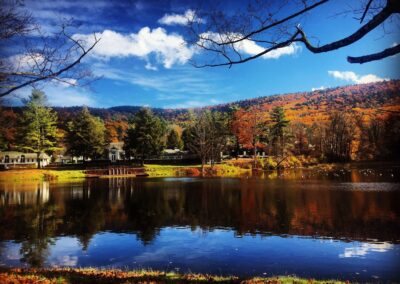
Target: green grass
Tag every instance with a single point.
(219, 170)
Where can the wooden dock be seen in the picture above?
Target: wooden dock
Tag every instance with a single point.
(116, 171)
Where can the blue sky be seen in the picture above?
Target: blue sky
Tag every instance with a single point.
(143, 57)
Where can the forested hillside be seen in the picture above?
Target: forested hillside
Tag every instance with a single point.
(303, 107)
(353, 122)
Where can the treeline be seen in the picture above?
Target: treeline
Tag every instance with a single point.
(259, 130)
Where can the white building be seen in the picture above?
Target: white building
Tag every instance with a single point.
(19, 159)
(116, 151)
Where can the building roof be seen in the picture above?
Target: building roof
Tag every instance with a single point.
(116, 145)
(172, 151)
(16, 155)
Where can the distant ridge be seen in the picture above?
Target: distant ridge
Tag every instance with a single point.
(302, 106)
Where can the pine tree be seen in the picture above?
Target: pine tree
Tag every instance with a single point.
(145, 137)
(278, 128)
(39, 126)
(86, 135)
(173, 140)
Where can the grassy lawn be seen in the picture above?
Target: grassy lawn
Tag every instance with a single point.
(40, 174)
(91, 275)
(219, 170)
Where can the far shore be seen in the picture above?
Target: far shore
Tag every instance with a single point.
(93, 275)
(230, 168)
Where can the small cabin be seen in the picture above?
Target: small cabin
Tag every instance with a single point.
(20, 159)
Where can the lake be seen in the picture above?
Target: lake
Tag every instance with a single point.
(343, 225)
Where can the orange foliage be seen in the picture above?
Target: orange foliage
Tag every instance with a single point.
(248, 126)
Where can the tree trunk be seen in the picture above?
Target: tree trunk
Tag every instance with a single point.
(202, 167)
(255, 154)
(38, 160)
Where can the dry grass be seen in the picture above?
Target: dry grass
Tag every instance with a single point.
(40, 174)
(92, 275)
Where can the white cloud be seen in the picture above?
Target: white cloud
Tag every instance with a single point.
(248, 46)
(355, 78)
(193, 103)
(59, 94)
(180, 82)
(179, 19)
(26, 61)
(149, 66)
(318, 89)
(169, 49)
(364, 249)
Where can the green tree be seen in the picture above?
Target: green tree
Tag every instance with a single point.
(278, 130)
(39, 126)
(145, 137)
(86, 135)
(206, 136)
(173, 140)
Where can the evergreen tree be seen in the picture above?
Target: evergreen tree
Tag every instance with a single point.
(173, 140)
(86, 135)
(278, 130)
(145, 137)
(39, 126)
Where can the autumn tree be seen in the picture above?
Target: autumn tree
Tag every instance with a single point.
(145, 136)
(391, 136)
(173, 140)
(116, 128)
(339, 137)
(278, 133)
(38, 126)
(265, 27)
(86, 135)
(300, 133)
(250, 128)
(8, 128)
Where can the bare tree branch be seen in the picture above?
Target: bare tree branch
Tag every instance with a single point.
(224, 37)
(274, 24)
(44, 76)
(375, 56)
(39, 57)
(360, 33)
(365, 11)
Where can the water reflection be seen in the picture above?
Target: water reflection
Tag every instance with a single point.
(40, 218)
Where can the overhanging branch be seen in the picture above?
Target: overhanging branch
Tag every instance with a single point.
(375, 56)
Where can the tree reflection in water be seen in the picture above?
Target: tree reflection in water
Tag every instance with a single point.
(322, 208)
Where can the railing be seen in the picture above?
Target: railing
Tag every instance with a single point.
(116, 171)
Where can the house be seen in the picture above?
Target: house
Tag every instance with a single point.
(18, 159)
(66, 159)
(116, 151)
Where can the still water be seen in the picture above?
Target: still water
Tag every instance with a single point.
(344, 225)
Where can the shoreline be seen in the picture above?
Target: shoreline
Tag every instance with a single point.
(231, 168)
(94, 275)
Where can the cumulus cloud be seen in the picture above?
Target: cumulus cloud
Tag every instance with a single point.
(169, 49)
(247, 46)
(179, 19)
(355, 78)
